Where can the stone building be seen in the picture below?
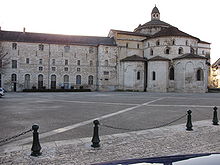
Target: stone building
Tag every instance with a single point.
(156, 57)
(215, 74)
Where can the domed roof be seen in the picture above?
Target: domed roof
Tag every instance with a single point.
(155, 10)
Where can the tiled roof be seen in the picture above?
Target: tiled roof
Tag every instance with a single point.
(134, 58)
(54, 38)
(189, 56)
(204, 42)
(159, 58)
(129, 33)
(172, 31)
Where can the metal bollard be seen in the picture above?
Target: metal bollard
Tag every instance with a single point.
(95, 138)
(215, 116)
(189, 121)
(36, 144)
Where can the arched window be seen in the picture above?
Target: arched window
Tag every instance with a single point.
(106, 62)
(157, 43)
(153, 75)
(66, 81)
(180, 50)
(171, 73)
(199, 75)
(78, 79)
(13, 77)
(27, 81)
(40, 81)
(138, 75)
(173, 42)
(167, 50)
(90, 80)
(192, 50)
(53, 82)
(90, 63)
(151, 52)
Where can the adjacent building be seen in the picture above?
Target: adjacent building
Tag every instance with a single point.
(155, 57)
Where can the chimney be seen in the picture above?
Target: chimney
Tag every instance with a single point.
(24, 30)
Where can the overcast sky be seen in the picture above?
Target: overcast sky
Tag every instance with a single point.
(199, 18)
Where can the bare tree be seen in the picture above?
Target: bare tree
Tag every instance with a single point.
(4, 60)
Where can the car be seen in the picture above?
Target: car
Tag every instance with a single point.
(2, 92)
(191, 159)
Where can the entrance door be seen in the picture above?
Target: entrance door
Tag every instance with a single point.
(15, 87)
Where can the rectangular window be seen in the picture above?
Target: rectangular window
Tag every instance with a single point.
(78, 62)
(40, 68)
(14, 46)
(41, 47)
(40, 61)
(66, 69)
(27, 60)
(66, 62)
(106, 72)
(53, 68)
(66, 48)
(14, 63)
(53, 61)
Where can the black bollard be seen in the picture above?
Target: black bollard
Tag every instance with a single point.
(95, 138)
(36, 144)
(215, 116)
(189, 121)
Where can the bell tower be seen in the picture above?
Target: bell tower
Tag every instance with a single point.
(155, 14)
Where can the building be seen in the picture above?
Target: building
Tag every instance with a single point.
(156, 57)
(215, 74)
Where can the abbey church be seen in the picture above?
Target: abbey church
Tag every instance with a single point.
(154, 57)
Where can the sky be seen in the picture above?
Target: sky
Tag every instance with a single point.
(199, 18)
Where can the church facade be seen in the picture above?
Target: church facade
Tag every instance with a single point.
(155, 57)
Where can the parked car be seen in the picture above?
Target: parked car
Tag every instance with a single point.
(192, 159)
(2, 92)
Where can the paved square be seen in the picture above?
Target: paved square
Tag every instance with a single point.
(63, 116)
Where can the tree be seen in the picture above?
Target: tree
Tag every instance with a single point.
(4, 60)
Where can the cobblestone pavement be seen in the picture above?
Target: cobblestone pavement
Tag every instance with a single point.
(170, 140)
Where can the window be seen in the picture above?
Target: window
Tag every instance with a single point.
(66, 69)
(53, 82)
(13, 77)
(126, 45)
(138, 75)
(203, 52)
(40, 68)
(180, 50)
(27, 81)
(91, 50)
(90, 80)
(106, 49)
(167, 50)
(151, 52)
(106, 73)
(173, 42)
(66, 81)
(53, 68)
(14, 46)
(78, 69)
(153, 75)
(53, 61)
(41, 47)
(158, 43)
(78, 79)
(106, 62)
(27, 60)
(186, 42)
(90, 63)
(40, 81)
(14, 63)
(66, 48)
(171, 73)
(199, 75)
(78, 62)
(66, 62)
(40, 61)
(192, 50)
(138, 46)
